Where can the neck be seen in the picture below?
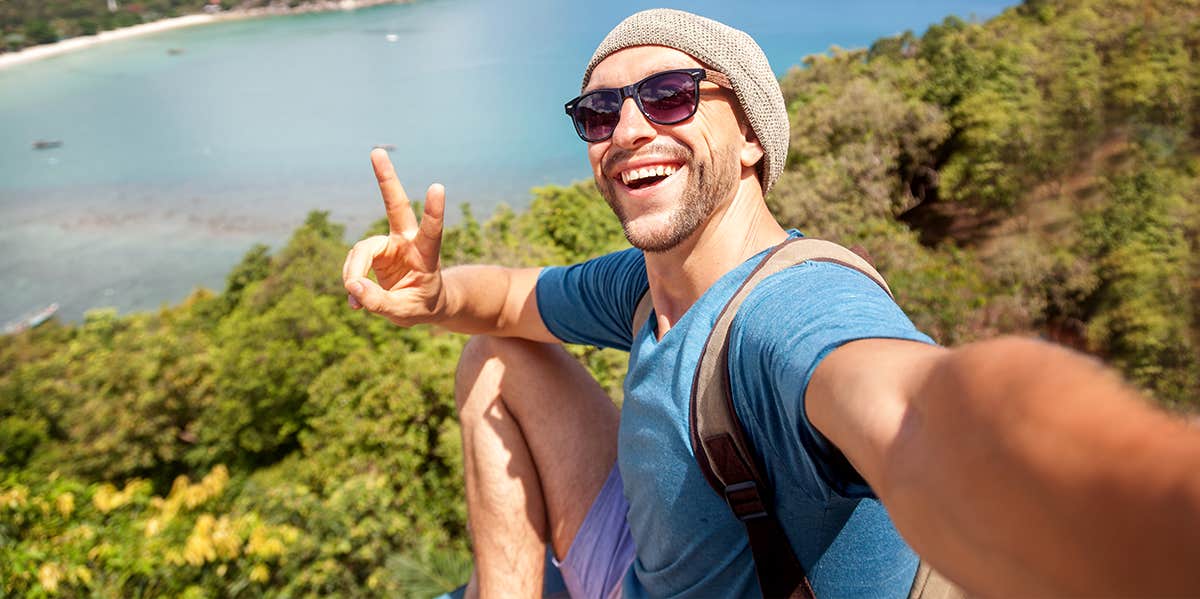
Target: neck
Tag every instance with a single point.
(737, 230)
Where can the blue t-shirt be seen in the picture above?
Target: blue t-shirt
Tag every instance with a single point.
(689, 544)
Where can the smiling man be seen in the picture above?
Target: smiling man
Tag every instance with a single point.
(844, 401)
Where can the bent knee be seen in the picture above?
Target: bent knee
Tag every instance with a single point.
(478, 350)
(481, 366)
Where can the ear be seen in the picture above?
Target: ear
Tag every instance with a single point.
(752, 150)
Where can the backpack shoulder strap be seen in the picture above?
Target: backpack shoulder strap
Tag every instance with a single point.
(719, 440)
(642, 313)
(928, 584)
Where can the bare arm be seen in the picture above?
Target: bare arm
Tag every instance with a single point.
(493, 300)
(413, 288)
(1019, 468)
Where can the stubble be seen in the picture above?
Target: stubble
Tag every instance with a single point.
(707, 186)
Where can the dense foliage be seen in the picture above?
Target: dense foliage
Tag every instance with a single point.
(1034, 173)
(1037, 173)
(323, 439)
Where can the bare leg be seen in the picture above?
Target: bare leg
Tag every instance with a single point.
(539, 440)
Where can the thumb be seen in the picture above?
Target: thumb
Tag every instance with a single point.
(369, 295)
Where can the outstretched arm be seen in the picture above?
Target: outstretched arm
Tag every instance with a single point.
(1018, 468)
(413, 288)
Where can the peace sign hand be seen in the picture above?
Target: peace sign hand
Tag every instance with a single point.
(406, 261)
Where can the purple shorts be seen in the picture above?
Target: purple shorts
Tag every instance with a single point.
(603, 549)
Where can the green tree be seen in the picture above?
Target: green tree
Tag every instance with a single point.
(1141, 310)
(40, 32)
(287, 328)
(1150, 76)
(575, 222)
(255, 266)
(859, 147)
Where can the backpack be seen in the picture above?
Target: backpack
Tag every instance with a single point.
(724, 452)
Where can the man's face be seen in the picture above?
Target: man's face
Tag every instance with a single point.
(703, 155)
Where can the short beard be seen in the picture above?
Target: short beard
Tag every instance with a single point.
(707, 186)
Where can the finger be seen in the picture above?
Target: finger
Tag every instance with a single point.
(358, 262)
(357, 259)
(399, 212)
(370, 296)
(346, 264)
(429, 237)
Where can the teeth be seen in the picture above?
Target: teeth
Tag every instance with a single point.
(660, 170)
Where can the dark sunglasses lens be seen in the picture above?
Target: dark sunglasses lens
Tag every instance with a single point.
(669, 98)
(597, 113)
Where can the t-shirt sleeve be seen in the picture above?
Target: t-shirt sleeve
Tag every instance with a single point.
(787, 325)
(592, 302)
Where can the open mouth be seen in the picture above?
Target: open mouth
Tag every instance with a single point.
(647, 176)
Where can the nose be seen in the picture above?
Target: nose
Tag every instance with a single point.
(633, 130)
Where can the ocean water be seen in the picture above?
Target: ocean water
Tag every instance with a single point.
(174, 164)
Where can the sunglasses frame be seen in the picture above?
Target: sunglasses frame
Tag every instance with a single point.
(632, 91)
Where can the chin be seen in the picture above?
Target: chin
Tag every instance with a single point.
(655, 245)
(681, 209)
(660, 236)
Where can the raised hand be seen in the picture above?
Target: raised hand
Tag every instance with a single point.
(406, 261)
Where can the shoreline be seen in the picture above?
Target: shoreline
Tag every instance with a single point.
(35, 53)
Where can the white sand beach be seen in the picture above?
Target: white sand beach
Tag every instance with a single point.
(9, 59)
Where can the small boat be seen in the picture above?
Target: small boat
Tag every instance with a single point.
(30, 320)
(174, 51)
(388, 147)
(391, 37)
(46, 144)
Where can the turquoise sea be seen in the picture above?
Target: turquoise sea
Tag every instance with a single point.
(174, 163)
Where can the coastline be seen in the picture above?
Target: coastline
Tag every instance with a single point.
(33, 53)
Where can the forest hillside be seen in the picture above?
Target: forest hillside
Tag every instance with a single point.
(1036, 174)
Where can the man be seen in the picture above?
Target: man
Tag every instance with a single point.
(1013, 466)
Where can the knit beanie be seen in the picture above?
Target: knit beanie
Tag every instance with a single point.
(724, 49)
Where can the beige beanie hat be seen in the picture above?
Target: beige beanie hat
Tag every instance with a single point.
(725, 49)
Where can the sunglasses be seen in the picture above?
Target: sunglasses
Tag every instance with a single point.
(664, 98)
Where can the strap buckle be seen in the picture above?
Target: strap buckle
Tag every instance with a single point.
(743, 498)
